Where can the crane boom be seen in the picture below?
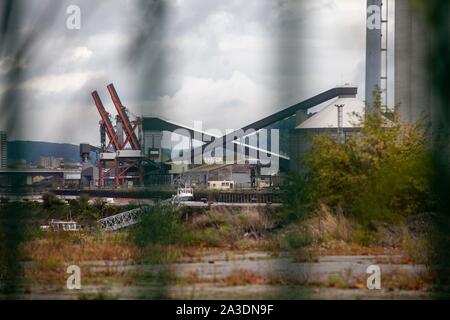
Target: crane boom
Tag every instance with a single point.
(134, 142)
(107, 122)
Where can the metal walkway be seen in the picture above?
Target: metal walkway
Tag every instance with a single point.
(120, 220)
(124, 219)
(128, 218)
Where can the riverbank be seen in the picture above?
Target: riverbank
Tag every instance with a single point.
(230, 254)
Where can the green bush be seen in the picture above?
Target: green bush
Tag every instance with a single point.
(297, 197)
(298, 240)
(364, 237)
(50, 200)
(380, 173)
(158, 225)
(12, 235)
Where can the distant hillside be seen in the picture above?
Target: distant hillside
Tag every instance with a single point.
(31, 151)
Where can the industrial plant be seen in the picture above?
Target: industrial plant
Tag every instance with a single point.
(332, 182)
(130, 153)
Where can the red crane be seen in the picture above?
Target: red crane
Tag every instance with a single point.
(122, 166)
(121, 111)
(106, 121)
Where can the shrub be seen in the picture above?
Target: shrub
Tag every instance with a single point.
(364, 237)
(380, 173)
(158, 225)
(50, 200)
(297, 198)
(298, 240)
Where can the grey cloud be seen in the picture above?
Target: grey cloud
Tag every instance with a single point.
(149, 52)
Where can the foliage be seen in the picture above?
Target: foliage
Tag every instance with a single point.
(379, 173)
(297, 198)
(298, 240)
(50, 200)
(159, 225)
(85, 211)
(12, 217)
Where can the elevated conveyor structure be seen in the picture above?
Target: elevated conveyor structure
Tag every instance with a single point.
(316, 100)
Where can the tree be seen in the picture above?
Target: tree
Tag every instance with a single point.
(50, 200)
(381, 172)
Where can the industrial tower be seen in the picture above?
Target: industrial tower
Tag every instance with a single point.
(377, 41)
(121, 157)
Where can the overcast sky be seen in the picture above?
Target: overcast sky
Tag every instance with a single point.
(224, 62)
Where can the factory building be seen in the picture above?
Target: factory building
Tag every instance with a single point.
(134, 152)
(200, 175)
(340, 118)
(3, 150)
(153, 133)
(227, 177)
(220, 176)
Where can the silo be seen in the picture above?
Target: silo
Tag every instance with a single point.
(412, 85)
(326, 121)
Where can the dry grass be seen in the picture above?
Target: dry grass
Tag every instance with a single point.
(67, 248)
(417, 250)
(401, 280)
(231, 228)
(49, 256)
(237, 278)
(327, 225)
(392, 281)
(244, 277)
(217, 230)
(247, 220)
(331, 233)
(328, 233)
(342, 248)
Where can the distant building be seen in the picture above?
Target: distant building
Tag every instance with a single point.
(221, 176)
(3, 149)
(51, 162)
